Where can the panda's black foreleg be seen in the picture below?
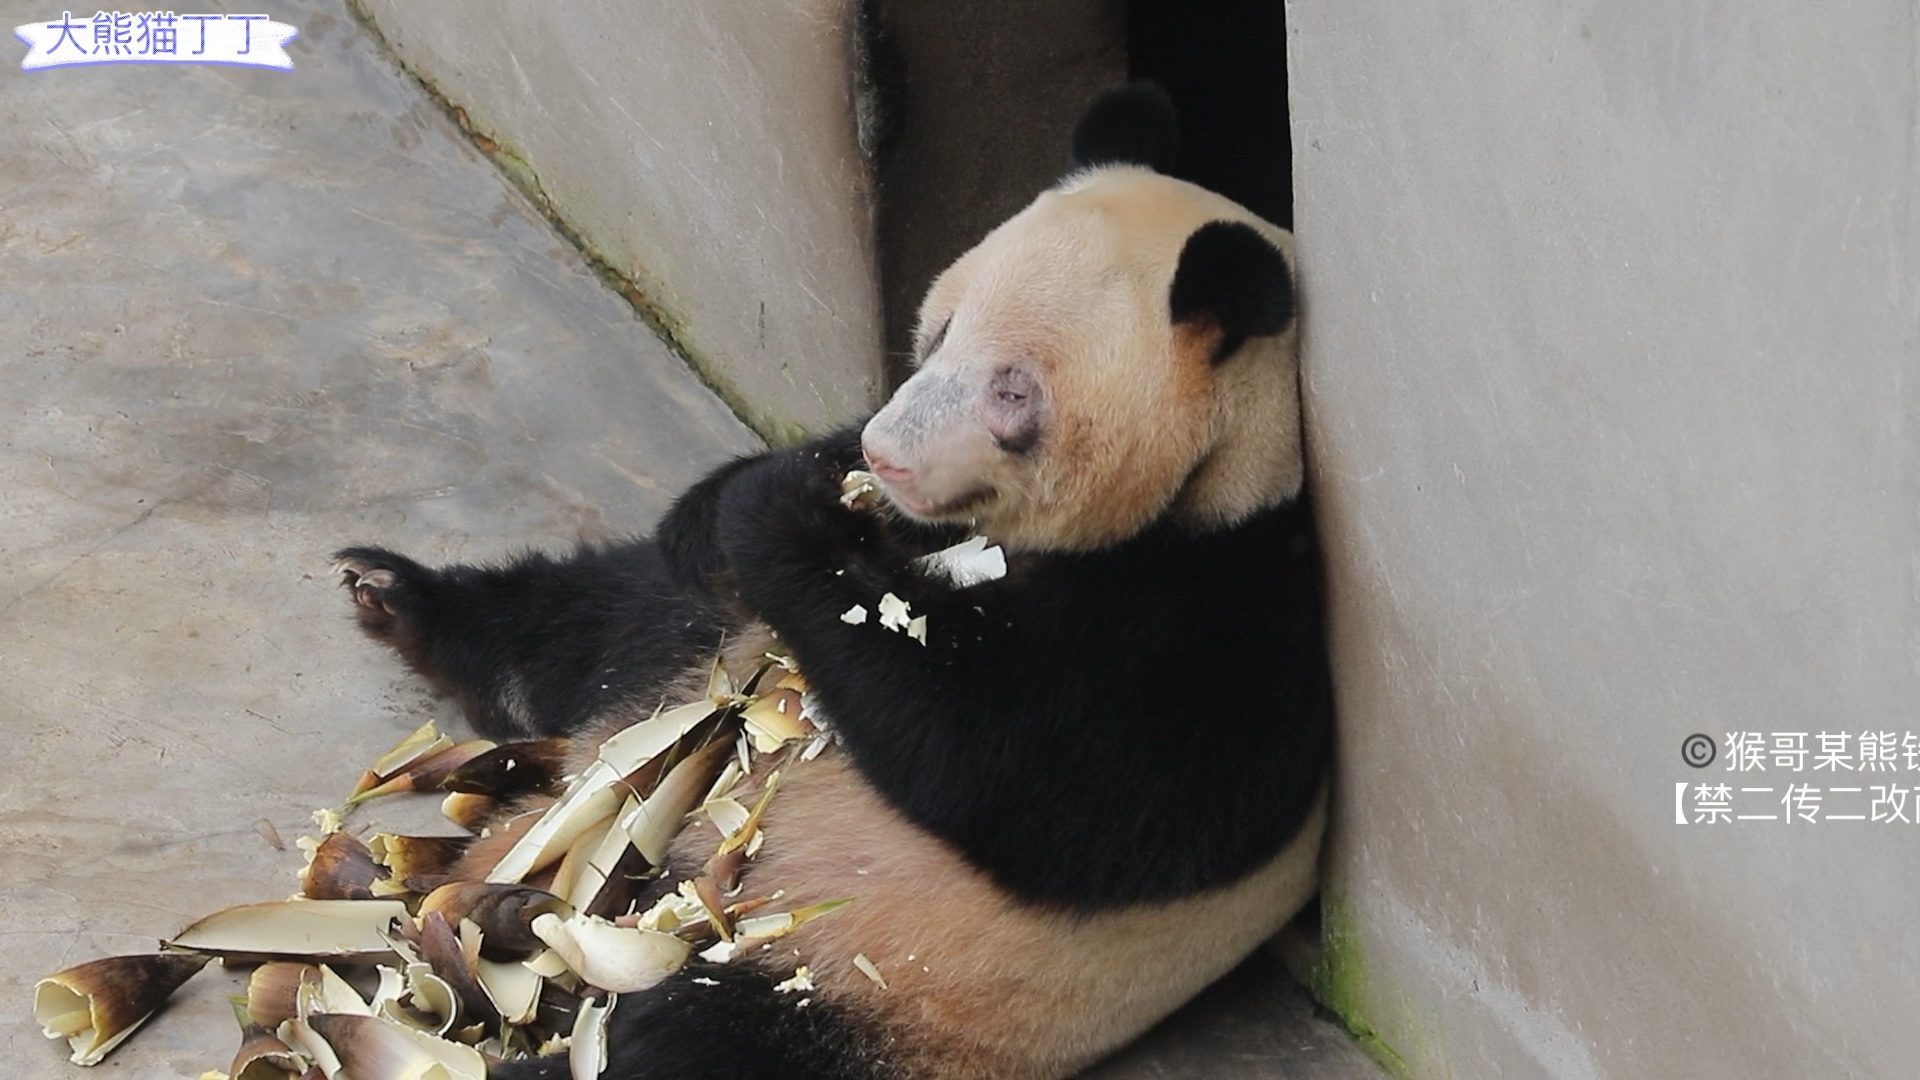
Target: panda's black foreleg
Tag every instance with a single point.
(721, 1022)
(539, 646)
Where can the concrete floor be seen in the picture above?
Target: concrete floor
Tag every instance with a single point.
(247, 317)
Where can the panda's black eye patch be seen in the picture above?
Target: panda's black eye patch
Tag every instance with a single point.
(1020, 444)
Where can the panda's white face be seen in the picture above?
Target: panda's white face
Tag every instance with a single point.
(1058, 405)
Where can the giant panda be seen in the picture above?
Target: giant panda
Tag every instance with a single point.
(1100, 782)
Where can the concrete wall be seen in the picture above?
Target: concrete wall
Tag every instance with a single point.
(1612, 362)
(708, 153)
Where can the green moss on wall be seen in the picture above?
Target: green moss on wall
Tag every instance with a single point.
(1340, 982)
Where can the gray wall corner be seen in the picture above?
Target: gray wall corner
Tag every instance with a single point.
(708, 154)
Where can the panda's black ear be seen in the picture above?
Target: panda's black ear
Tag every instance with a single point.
(1232, 275)
(1128, 125)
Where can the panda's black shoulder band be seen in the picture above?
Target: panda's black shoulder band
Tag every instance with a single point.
(1129, 125)
(1231, 274)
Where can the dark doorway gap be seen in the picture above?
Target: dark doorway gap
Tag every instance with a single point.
(964, 111)
(1225, 63)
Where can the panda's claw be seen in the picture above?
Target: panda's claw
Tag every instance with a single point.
(372, 588)
(384, 586)
(351, 569)
(368, 583)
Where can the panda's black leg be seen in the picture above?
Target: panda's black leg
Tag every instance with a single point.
(729, 1025)
(539, 646)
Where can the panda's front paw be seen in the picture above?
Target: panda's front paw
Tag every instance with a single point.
(369, 585)
(384, 585)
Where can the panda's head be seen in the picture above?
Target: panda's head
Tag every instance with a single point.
(1120, 351)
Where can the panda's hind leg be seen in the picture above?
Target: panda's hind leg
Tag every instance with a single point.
(722, 1022)
(538, 646)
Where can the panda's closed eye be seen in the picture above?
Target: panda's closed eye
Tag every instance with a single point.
(1013, 386)
(1013, 410)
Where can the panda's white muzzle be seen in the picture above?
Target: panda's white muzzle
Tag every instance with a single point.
(933, 457)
